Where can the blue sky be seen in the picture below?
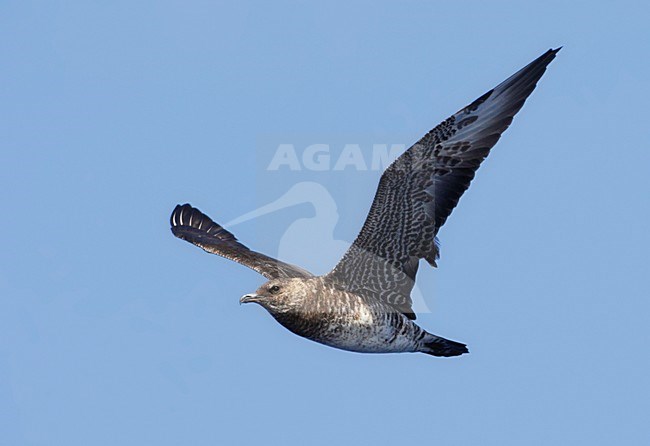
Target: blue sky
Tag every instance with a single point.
(114, 332)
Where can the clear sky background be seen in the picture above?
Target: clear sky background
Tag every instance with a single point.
(114, 332)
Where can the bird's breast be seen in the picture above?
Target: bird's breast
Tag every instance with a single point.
(345, 320)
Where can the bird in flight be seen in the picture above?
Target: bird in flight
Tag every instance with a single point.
(364, 304)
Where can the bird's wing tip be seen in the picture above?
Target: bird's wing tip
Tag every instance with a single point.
(553, 52)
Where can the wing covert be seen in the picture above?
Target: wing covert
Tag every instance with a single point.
(417, 193)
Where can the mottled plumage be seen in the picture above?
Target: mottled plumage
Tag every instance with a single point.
(364, 303)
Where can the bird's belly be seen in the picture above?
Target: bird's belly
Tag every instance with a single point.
(361, 331)
(366, 340)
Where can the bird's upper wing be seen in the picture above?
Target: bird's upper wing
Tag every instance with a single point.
(419, 190)
(192, 225)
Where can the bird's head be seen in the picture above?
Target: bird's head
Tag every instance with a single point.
(279, 295)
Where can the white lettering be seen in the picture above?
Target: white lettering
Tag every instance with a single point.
(382, 158)
(316, 157)
(285, 155)
(351, 156)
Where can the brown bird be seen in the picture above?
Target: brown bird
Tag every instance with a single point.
(364, 303)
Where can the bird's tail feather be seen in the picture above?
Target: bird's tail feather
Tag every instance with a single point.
(437, 346)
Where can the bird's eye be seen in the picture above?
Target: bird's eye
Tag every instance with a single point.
(274, 289)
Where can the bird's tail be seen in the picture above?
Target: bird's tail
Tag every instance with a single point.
(437, 346)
